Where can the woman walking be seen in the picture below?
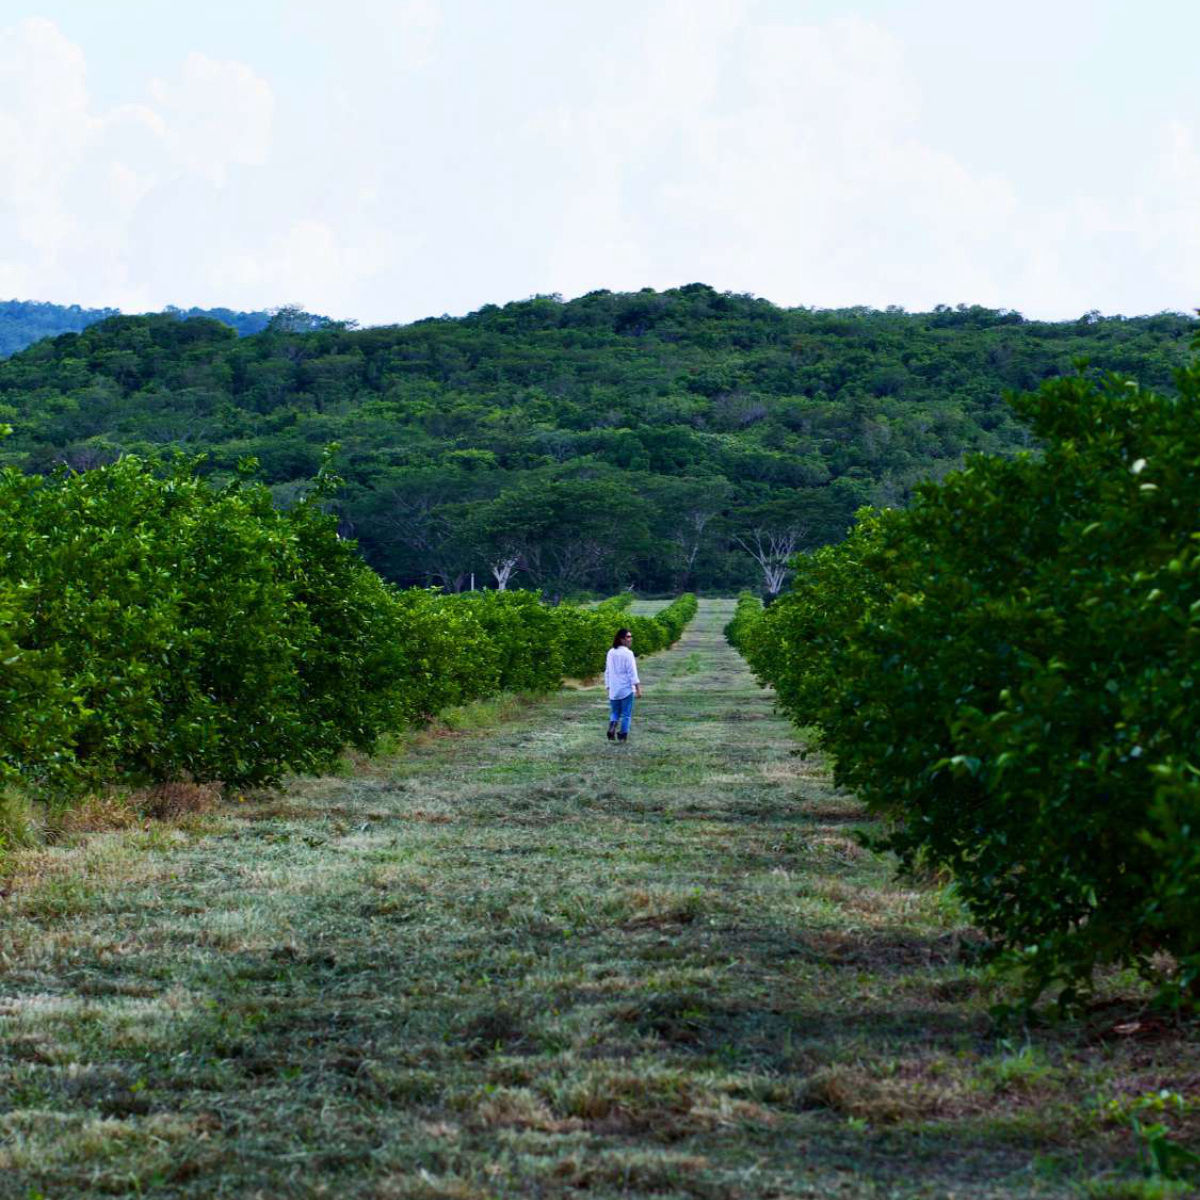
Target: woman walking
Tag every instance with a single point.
(621, 679)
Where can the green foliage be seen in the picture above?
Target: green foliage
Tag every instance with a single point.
(1147, 1115)
(524, 635)
(675, 617)
(611, 440)
(1007, 669)
(162, 628)
(23, 322)
(39, 712)
(800, 642)
(586, 634)
(156, 627)
(18, 824)
(745, 623)
(445, 656)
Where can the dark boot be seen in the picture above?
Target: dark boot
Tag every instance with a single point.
(612, 730)
(621, 737)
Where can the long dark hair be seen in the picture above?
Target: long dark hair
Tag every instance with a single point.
(620, 637)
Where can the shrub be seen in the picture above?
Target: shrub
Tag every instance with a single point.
(747, 617)
(675, 617)
(155, 628)
(522, 631)
(179, 630)
(585, 635)
(1008, 669)
(39, 712)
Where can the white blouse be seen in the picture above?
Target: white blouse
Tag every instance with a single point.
(620, 672)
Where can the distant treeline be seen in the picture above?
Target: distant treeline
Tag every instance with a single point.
(23, 322)
(656, 438)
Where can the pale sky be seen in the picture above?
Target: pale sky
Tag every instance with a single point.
(385, 160)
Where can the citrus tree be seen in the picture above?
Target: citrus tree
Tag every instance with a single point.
(1007, 669)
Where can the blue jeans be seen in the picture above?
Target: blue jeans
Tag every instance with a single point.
(621, 712)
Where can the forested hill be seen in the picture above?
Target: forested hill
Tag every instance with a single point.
(616, 438)
(23, 322)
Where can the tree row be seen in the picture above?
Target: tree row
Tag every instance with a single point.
(1007, 670)
(156, 627)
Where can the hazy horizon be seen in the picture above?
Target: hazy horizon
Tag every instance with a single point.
(567, 299)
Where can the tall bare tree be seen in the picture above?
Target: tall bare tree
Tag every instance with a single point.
(771, 548)
(503, 563)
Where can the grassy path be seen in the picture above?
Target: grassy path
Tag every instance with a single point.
(524, 962)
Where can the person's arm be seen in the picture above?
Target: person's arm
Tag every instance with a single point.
(637, 683)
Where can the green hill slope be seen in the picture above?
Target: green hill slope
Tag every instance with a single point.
(642, 437)
(23, 322)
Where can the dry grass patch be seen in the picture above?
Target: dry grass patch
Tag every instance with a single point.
(116, 810)
(885, 904)
(632, 1173)
(666, 1103)
(726, 779)
(108, 1147)
(424, 816)
(95, 814)
(521, 1108)
(637, 907)
(907, 1093)
(779, 772)
(836, 808)
(424, 1185)
(836, 845)
(644, 1098)
(170, 801)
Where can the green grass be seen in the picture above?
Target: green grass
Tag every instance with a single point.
(514, 960)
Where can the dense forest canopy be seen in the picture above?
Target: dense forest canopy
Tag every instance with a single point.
(23, 322)
(665, 439)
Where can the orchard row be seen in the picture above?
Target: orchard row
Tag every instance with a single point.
(1010, 670)
(156, 627)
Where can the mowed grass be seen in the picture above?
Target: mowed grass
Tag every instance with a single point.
(519, 961)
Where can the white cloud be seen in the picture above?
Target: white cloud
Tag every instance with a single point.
(802, 175)
(306, 258)
(44, 127)
(1168, 222)
(791, 159)
(74, 177)
(217, 115)
(404, 34)
(158, 201)
(431, 155)
(1134, 248)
